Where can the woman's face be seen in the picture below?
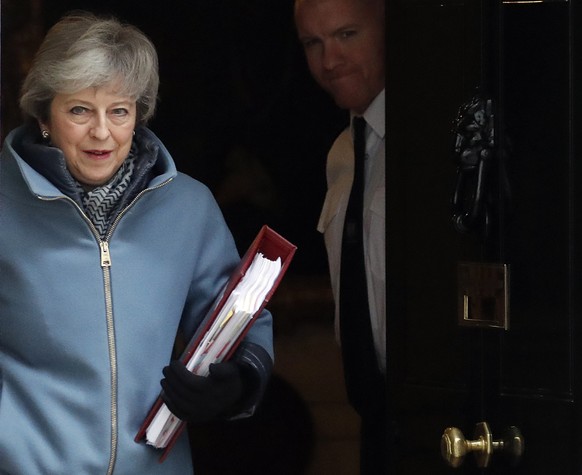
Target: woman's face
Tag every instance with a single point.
(94, 129)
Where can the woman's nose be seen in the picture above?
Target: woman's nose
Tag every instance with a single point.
(100, 128)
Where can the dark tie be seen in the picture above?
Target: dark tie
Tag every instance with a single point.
(359, 359)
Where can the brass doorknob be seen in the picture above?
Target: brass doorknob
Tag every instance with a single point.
(454, 446)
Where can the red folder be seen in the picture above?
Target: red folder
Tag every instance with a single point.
(272, 246)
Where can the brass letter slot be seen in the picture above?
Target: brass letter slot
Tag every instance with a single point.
(483, 295)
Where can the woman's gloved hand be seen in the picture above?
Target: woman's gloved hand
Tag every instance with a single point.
(199, 399)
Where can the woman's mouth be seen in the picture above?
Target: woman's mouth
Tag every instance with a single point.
(98, 154)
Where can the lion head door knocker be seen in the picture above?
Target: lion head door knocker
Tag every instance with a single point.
(473, 152)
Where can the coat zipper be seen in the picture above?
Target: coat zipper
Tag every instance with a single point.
(106, 265)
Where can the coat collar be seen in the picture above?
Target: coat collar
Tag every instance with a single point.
(44, 168)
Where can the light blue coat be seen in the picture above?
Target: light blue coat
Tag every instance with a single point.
(84, 334)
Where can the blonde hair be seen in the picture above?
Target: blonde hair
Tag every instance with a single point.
(83, 50)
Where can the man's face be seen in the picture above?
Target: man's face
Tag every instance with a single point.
(344, 46)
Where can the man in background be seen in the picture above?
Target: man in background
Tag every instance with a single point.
(344, 43)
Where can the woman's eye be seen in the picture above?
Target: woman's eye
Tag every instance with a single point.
(78, 110)
(120, 112)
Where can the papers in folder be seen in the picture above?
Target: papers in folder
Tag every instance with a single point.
(232, 319)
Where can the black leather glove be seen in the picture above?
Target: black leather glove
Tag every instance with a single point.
(199, 399)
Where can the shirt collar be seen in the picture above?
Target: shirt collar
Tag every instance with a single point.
(375, 114)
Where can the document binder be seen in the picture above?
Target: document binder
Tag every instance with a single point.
(268, 245)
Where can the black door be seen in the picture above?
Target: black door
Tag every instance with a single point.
(447, 371)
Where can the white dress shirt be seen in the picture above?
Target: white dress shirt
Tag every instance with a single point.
(340, 171)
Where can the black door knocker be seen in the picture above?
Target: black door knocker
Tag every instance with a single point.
(473, 150)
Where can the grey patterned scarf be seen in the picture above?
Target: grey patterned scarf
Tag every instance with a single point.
(100, 202)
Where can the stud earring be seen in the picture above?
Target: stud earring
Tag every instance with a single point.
(45, 134)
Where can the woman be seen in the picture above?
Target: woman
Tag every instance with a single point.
(106, 251)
